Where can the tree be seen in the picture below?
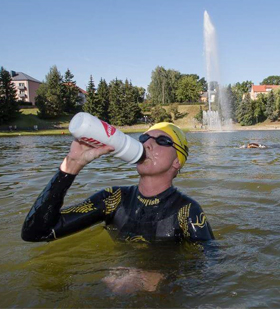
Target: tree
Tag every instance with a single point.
(277, 101)
(9, 105)
(245, 114)
(70, 92)
(203, 84)
(244, 87)
(259, 108)
(123, 107)
(173, 109)
(188, 89)
(103, 100)
(159, 114)
(92, 102)
(157, 87)
(271, 80)
(271, 112)
(129, 102)
(131, 110)
(232, 102)
(173, 80)
(115, 107)
(139, 94)
(49, 97)
(199, 115)
(239, 90)
(162, 88)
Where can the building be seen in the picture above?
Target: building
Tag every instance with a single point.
(257, 89)
(26, 86)
(204, 97)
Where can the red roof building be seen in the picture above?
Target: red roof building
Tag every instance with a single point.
(257, 89)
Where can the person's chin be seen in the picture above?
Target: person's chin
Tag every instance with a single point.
(144, 162)
(145, 167)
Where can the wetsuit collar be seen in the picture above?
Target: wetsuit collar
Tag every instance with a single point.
(159, 196)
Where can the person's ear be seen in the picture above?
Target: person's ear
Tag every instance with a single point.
(176, 164)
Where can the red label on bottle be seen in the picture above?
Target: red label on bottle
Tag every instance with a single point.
(92, 142)
(110, 130)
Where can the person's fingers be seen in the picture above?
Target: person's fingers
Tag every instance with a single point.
(105, 149)
(94, 153)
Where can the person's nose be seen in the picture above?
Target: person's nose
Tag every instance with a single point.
(148, 144)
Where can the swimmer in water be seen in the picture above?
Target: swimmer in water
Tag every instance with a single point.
(152, 211)
(253, 145)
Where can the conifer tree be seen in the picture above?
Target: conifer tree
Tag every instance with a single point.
(270, 107)
(9, 105)
(115, 98)
(159, 114)
(245, 115)
(70, 92)
(259, 107)
(131, 110)
(231, 99)
(91, 105)
(49, 97)
(277, 102)
(103, 99)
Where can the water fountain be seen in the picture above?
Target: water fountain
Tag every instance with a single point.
(216, 93)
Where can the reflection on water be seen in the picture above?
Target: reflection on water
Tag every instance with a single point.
(238, 189)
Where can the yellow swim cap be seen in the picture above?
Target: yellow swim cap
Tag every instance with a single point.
(178, 137)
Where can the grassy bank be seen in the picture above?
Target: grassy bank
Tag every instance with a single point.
(28, 118)
(25, 122)
(59, 132)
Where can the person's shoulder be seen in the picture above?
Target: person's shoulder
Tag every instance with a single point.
(187, 199)
(122, 189)
(189, 205)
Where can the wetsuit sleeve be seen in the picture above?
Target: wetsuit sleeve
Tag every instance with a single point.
(194, 223)
(46, 220)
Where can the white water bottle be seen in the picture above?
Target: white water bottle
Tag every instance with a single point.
(97, 133)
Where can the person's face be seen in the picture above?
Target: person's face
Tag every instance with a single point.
(159, 159)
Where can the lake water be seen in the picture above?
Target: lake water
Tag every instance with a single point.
(237, 188)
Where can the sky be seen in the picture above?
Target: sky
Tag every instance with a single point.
(128, 39)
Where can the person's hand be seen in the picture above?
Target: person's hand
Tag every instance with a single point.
(81, 154)
(127, 280)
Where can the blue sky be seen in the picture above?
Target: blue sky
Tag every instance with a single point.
(129, 38)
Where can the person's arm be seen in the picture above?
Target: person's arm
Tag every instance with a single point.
(198, 226)
(45, 221)
(193, 223)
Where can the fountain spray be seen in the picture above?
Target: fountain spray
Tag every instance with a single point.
(212, 118)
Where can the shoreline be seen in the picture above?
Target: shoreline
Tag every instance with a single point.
(143, 128)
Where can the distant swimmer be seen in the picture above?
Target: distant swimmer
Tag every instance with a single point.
(253, 145)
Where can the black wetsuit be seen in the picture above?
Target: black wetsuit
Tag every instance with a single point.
(129, 216)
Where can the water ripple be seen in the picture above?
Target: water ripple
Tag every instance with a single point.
(237, 188)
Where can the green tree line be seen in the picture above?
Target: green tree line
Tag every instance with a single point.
(9, 105)
(246, 111)
(122, 103)
(116, 102)
(170, 86)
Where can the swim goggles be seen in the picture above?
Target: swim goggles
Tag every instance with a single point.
(163, 140)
